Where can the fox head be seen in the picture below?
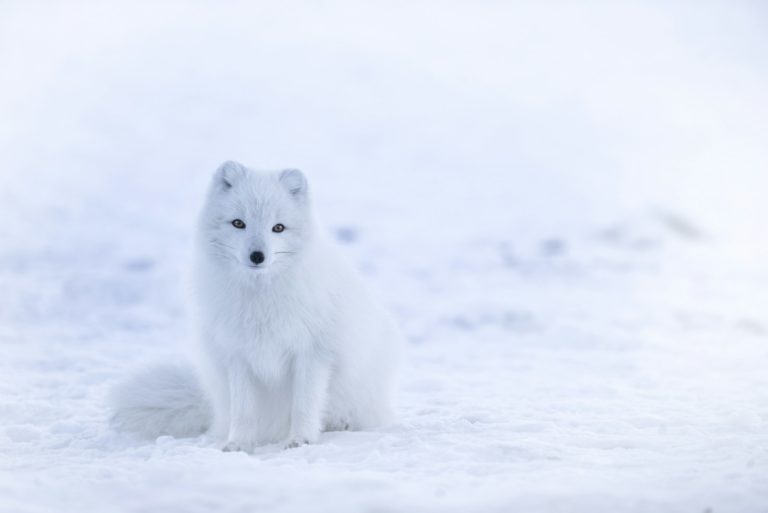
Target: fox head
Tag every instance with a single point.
(257, 221)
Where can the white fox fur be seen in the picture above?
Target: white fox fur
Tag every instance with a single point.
(291, 346)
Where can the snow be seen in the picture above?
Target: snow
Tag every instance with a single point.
(562, 204)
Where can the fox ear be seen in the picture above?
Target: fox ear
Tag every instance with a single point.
(295, 181)
(228, 174)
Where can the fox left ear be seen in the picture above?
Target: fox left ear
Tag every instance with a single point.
(295, 181)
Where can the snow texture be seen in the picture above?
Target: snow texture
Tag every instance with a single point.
(561, 202)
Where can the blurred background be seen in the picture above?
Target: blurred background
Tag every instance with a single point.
(562, 203)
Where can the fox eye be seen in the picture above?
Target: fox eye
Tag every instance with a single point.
(237, 223)
(278, 228)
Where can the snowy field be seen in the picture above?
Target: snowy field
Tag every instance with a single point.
(563, 205)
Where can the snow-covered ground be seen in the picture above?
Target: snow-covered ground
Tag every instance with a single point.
(562, 203)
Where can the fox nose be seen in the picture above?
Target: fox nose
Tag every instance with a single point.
(257, 257)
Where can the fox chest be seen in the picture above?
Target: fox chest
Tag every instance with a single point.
(269, 341)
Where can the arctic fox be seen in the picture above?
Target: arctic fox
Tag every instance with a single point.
(291, 343)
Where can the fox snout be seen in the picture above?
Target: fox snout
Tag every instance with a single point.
(256, 253)
(257, 257)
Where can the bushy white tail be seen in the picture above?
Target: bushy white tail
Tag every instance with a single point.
(162, 400)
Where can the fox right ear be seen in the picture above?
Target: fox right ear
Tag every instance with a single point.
(228, 174)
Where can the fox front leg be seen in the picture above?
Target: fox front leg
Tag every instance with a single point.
(311, 375)
(242, 409)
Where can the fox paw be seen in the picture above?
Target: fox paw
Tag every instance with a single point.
(294, 442)
(235, 446)
(340, 424)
